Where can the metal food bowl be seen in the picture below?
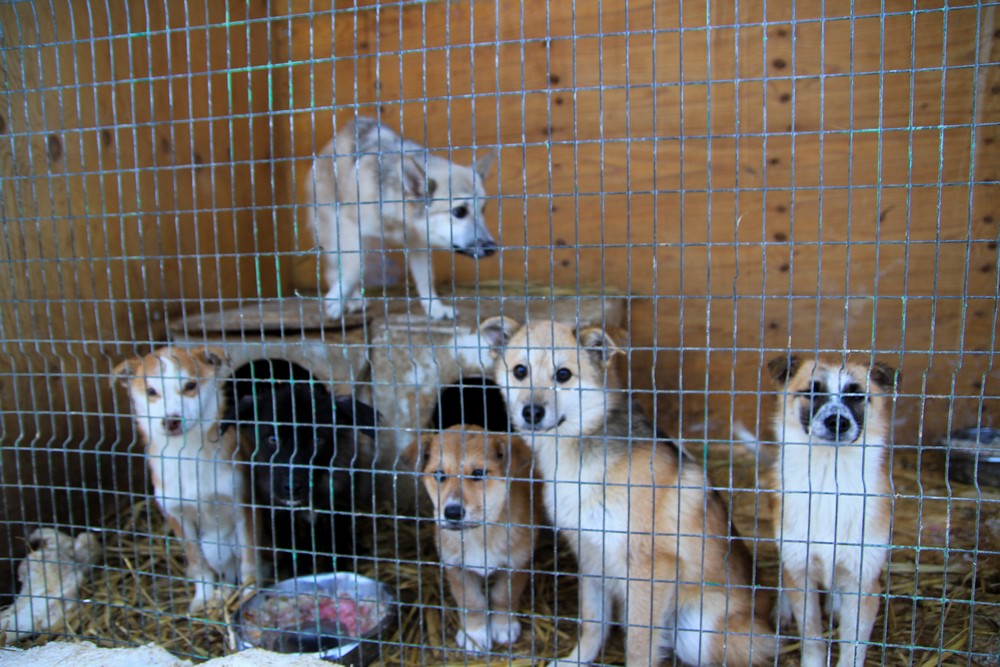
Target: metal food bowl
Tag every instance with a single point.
(974, 456)
(319, 637)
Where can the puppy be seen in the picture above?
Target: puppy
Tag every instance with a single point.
(310, 472)
(831, 505)
(370, 185)
(645, 528)
(178, 401)
(485, 508)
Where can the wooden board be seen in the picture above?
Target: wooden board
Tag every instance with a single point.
(759, 182)
(134, 151)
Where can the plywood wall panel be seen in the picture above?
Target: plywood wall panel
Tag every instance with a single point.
(852, 128)
(132, 174)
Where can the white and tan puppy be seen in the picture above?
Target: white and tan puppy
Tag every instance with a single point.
(178, 401)
(369, 186)
(647, 531)
(486, 509)
(831, 506)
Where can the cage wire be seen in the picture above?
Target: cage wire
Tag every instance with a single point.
(686, 430)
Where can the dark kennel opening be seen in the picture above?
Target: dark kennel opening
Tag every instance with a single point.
(472, 400)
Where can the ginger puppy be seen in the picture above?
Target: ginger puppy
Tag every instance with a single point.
(647, 531)
(178, 403)
(485, 511)
(831, 510)
(369, 186)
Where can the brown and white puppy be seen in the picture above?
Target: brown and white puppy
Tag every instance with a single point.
(369, 185)
(831, 506)
(646, 529)
(486, 508)
(178, 402)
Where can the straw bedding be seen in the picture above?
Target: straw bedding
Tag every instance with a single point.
(942, 595)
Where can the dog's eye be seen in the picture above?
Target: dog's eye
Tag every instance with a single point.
(190, 386)
(817, 388)
(520, 372)
(271, 440)
(460, 211)
(852, 391)
(563, 375)
(439, 473)
(152, 393)
(478, 473)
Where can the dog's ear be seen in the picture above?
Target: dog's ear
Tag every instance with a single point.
(415, 183)
(498, 330)
(598, 344)
(784, 367)
(484, 163)
(350, 412)
(415, 456)
(215, 357)
(520, 457)
(496, 446)
(885, 377)
(246, 406)
(125, 371)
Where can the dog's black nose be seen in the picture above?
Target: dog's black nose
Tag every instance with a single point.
(837, 424)
(533, 413)
(454, 512)
(295, 486)
(172, 424)
(487, 248)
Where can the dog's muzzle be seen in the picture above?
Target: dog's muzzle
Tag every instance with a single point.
(484, 249)
(534, 417)
(173, 425)
(835, 423)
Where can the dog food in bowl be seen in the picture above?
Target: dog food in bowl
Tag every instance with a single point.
(327, 615)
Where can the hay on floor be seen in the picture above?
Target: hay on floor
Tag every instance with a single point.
(943, 597)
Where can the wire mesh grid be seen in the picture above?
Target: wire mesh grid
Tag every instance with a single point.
(687, 437)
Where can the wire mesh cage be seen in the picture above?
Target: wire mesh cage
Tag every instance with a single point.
(437, 332)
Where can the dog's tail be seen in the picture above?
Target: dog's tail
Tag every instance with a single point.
(750, 640)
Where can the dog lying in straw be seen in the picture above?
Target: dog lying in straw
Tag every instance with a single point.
(51, 576)
(369, 185)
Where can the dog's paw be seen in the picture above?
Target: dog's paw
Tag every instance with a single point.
(439, 311)
(504, 629)
(333, 307)
(355, 304)
(474, 640)
(202, 603)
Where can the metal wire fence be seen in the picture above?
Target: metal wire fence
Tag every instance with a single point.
(719, 283)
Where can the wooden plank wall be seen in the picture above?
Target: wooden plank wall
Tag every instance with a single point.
(134, 174)
(756, 181)
(770, 179)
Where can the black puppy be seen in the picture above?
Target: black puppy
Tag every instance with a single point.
(311, 471)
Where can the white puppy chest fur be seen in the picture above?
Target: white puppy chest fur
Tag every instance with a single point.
(370, 187)
(831, 506)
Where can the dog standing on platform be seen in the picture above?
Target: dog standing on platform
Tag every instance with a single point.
(648, 532)
(486, 510)
(830, 502)
(178, 401)
(369, 185)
